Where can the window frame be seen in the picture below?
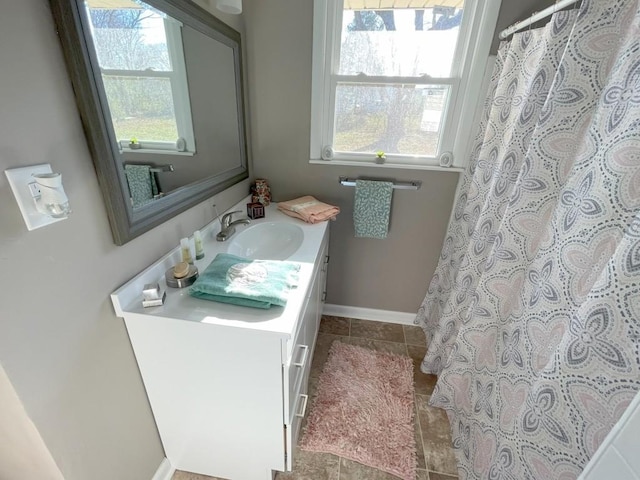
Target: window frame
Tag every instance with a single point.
(466, 87)
(177, 77)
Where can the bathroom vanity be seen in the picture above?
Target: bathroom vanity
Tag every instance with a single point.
(228, 384)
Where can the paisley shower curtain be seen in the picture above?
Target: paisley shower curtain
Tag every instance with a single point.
(533, 314)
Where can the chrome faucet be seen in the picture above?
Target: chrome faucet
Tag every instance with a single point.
(227, 227)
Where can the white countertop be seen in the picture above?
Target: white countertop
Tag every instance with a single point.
(179, 305)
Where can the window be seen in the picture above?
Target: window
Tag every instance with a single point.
(404, 80)
(141, 60)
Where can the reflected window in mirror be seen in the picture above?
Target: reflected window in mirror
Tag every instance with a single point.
(141, 59)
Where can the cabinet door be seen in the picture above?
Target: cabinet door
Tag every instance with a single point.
(215, 392)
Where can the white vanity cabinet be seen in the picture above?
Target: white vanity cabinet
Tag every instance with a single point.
(228, 385)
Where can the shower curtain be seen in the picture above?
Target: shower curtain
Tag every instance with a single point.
(533, 314)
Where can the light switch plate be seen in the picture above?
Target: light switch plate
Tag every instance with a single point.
(20, 180)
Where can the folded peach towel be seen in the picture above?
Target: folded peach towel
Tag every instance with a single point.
(309, 209)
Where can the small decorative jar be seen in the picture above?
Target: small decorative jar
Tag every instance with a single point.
(261, 192)
(255, 210)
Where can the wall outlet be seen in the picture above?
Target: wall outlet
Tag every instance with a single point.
(34, 189)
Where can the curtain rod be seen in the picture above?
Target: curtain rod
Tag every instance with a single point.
(559, 5)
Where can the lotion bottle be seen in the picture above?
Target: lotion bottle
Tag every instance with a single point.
(197, 239)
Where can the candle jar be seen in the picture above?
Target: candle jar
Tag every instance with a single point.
(261, 192)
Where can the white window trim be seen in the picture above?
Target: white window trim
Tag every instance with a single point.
(180, 87)
(466, 92)
(167, 148)
(180, 92)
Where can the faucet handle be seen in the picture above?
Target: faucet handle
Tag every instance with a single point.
(226, 218)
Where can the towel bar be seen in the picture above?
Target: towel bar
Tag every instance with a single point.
(162, 168)
(157, 169)
(414, 185)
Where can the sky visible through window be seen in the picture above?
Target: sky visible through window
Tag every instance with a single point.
(394, 118)
(370, 46)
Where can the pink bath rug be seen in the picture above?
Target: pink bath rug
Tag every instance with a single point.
(364, 410)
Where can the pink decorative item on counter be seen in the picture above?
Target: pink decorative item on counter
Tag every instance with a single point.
(261, 192)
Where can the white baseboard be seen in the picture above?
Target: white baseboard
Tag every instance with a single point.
(165, 471)
(369, 314)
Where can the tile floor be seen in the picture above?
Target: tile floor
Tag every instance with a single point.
(436, 460)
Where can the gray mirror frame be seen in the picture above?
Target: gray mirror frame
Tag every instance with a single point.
(127, 223)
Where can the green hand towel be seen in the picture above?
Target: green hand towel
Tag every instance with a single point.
(372, 208)
(246, 282)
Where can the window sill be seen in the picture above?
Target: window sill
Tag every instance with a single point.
(156, 151)
(404, 166)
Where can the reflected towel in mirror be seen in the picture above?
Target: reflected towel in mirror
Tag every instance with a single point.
(143, 186)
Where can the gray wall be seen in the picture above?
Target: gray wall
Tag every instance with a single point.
(65, 352)
(390, 274)
(513, 11)
(211, 77)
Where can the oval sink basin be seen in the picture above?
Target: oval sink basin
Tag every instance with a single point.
(267, 241)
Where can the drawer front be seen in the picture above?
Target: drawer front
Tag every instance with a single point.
(294, 427)
(299, 363)
(302, 403)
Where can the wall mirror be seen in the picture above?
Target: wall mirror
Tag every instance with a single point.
(159, 87)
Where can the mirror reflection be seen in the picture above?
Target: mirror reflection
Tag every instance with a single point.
(143, 71)
(151, 67)
(159, 88)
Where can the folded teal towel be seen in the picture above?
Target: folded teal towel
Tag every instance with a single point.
(372, 207)
(246, 282)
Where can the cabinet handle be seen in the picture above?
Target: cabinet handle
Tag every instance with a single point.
(304, 356)
(304, 406)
